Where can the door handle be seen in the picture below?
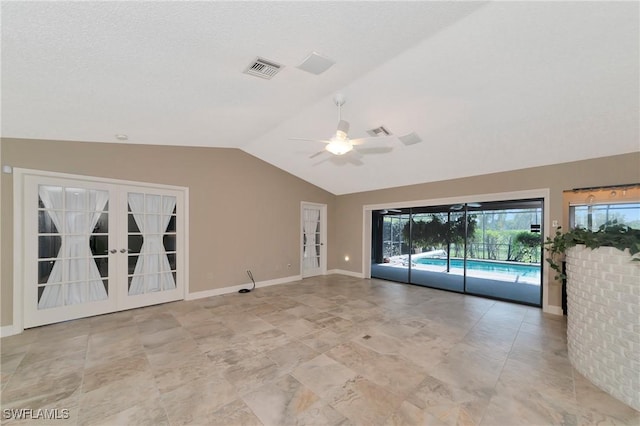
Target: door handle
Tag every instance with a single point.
(113, 251)
(123, 250)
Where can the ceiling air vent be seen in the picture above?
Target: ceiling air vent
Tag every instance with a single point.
(315, 63)
(379, 131)
(263, 68)
(410, 139)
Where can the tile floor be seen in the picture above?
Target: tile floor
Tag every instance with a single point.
(324, 351)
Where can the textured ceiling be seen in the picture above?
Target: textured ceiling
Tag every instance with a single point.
(487, 86)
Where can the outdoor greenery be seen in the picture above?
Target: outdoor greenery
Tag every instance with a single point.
(436, 232)
(504, 235)
(610, 234)
(509, 245)
(501, 235)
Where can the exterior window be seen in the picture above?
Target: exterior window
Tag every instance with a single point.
(592, 216)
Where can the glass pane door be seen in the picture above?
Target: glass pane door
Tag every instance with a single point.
(390, 245)
(152, 247)
(96, 247)
(313, 234)
(70, 271)
(505, 251)
(437, 258)
(489, 249)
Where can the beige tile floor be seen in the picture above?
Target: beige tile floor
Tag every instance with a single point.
(323, 351)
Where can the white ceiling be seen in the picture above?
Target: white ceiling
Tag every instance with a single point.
(487, 86)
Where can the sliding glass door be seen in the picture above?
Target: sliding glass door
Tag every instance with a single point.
(505, 251)
(438, 248)
(391, 245)
(491, 249)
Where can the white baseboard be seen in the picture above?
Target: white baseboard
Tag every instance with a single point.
(555, 310)
(8, 330)
(236, 288)
(348, 273)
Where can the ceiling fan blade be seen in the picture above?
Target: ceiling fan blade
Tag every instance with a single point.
(310, 140)
(375, 150)
(373, 140)
(322, 161)
(355, 161)
(461, 206)
(354, 154)
(318, 153)
(342, 160)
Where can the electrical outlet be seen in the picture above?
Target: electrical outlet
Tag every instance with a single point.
(288, 265)
(554, 223)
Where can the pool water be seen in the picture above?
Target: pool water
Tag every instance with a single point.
(532, 270)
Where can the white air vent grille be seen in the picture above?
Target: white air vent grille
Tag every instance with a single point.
(410, 139)
(263, 68)
(379, 131)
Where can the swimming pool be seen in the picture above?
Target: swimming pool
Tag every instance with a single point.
(524, 270)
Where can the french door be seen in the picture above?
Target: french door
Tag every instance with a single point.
(93, 247)
(314, 234)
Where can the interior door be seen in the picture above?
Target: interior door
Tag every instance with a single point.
(154, 241)
(94, 247)
(314, 234)
(70, 252)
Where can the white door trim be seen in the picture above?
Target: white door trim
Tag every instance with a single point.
(19, 175)
(323, 238)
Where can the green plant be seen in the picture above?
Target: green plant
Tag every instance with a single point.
(608, 235)
(527, 244)
(435, 232)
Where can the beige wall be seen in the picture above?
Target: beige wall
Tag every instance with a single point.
(348, 225)
(244, 213)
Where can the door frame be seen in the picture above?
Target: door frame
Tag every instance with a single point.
(19, 234)
(323, 238)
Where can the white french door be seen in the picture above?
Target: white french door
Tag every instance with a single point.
(314, 234)
(152, 239)
(92, 247)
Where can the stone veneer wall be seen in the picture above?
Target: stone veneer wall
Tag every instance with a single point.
(603, 317)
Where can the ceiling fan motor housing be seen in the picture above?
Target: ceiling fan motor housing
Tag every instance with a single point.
(343, 129)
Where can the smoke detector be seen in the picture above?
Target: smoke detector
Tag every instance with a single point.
(263, 68)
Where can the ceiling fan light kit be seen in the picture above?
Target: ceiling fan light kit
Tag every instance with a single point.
(341, 144)
(343, 129)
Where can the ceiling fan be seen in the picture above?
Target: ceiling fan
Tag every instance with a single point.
(387, 211)
(461, 206)
(340, 143)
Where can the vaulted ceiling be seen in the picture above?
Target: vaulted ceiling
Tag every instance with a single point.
(487, 86)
